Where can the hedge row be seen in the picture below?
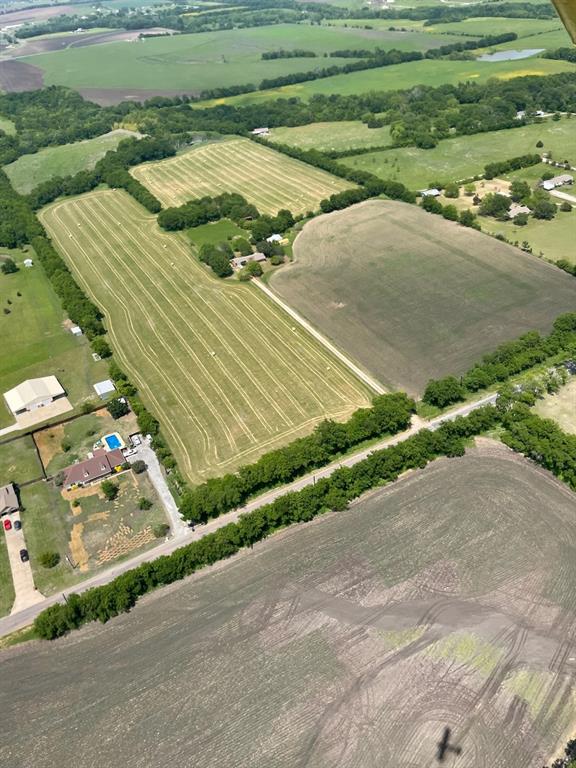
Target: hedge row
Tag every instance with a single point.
(388, 415)
(508, 359)
(344, 485)
(514, 164)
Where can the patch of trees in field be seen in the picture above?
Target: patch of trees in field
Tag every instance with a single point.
(18, 224)
(562, 54)
(294, 53)
(513, 164)
(332, 493)
(194, 213)
(388, 415)
(507, 360)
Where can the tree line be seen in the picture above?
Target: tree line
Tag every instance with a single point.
(507, 360)
(388, 415)
(194, 213)
(332, 493)
(563, 54)
(513, 164)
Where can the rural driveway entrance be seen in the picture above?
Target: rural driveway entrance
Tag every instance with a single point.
(26, 593)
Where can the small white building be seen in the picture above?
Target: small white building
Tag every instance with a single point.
(430, 192)
(557, 181)
(274, 238)
(260, 132)
(75, 330)
(104, 388)
(28, 263)
(33, 394)
(516, 209)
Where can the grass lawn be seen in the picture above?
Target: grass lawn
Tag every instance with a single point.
(30, 170)
(560, 407)
(7, 126)
(349, 134)
(227, 374)
(6, 586)
(215, 232)
(35, 342)
(19, 461)
(411, 296)
(268, 179)
(94, 534)
(552, 239)
(465, 156)
(401, 76)
(211, 59)
(80, 435)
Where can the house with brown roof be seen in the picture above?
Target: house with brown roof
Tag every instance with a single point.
(8, 500)
(100, 465)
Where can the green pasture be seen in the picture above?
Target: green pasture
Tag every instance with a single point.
(19, 461)
(465, 156)
(349, 134)
(481, 26)
(34, 340)
(30, 170)
(228, 375)
(401, 76)
(551, 239)
(210, 59)
(215, 232)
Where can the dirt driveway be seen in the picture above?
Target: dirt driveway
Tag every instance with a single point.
(24, 589)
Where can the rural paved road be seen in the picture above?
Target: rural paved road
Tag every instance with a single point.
(25, 617)
(374, 385)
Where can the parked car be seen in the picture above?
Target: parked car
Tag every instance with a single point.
(17, 525)
(24, 555)
(7, 525)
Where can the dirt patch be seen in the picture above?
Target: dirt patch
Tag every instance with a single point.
(107, 97)
(77, 548)
(79, 493)
(15, 76)
(49, 442)
(36, 14)
(98, 516)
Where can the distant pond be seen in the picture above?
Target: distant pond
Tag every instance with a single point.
(510, 55)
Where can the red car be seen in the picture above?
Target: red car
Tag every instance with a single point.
(7, 525)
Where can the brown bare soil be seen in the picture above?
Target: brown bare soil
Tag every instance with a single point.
(48, 442)
(445, 599)
(15, 76)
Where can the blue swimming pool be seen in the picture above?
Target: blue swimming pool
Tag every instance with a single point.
(112, 441)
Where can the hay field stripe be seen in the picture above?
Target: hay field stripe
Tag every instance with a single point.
(266, 384)
(265, 177)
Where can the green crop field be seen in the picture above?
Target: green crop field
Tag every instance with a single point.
(349, 134)
(30, 170)
(481, 26)
(266, 178)
(465, 156)
(35, 342)
(224, 370)
(400, 76)
(212, 59)
(411, 296)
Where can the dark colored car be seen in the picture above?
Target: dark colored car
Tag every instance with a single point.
(7, 525)
(17, 525)
(24, 555)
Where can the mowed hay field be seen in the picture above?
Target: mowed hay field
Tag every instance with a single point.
(348, 134)
(217, 363)
(411, 296)
(266, 178)
(445, 599)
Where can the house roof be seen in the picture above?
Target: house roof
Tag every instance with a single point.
(515, 209)
(101, 464)
(8, 499)
(33, 391)
(104, 387)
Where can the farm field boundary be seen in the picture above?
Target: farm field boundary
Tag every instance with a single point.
(266, 178)
(223, 369)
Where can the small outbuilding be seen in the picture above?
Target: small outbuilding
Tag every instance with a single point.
(33, 394)
(260, 132)
(104, 388)
(433, 192)
(8, 500)
(28, 263)
(75, 330)
(274, 238)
